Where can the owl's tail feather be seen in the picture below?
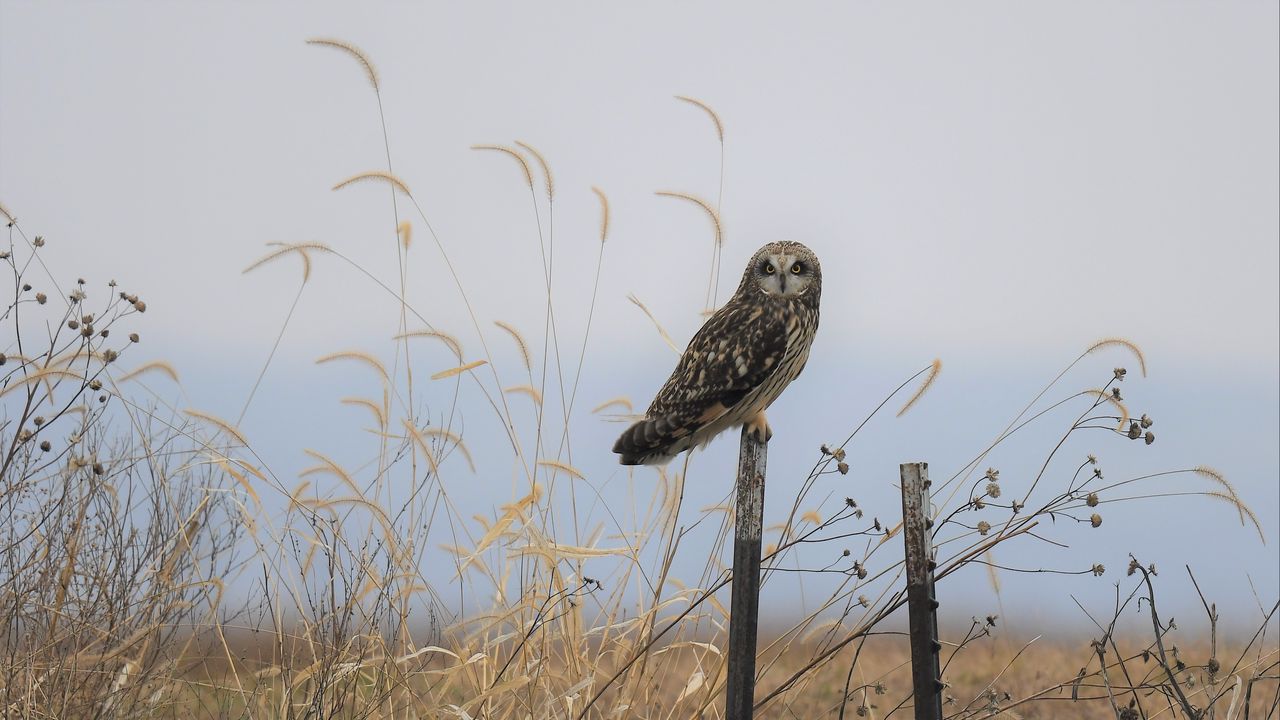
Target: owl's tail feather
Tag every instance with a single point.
(649, 442)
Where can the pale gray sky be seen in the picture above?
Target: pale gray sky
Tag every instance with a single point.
(998, 184)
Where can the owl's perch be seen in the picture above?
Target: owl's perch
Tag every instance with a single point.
(744, 605)
(922, 601)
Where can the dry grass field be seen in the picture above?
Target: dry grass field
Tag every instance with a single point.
(153, 565)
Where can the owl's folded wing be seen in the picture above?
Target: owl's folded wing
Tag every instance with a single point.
(734, 353)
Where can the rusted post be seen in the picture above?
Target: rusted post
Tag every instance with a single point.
(922, 604)
(744, 604)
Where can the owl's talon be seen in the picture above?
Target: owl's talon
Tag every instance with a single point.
(759, 430)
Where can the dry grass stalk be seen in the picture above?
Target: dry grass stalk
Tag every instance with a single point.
(1121, 342)
(620, 401)
(715, 118)
(524, 166)
(159, 366)
(361, 357)
(405, 231)
(446, 338)
(218, 422)
(459, 370)
(528, 390)
(375, 175)
(934, 369)
(604, 213)
(662, 332)
(706, 207)
(370, 71)
(548, 178)
(525, 356)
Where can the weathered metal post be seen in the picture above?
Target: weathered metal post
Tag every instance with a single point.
(744, 604)
(922, 604)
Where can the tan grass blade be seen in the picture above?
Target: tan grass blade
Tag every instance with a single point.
(328, 466)
(604, 212)
(661, 330)
(993, 577)
(1217, 477)
(707, 109)
(405, 231)
(525, 357)
(423, 445)
(159, 366)
(452, 437)
(378, 175)
(358, 356)
(221, 424)
(1124, 411)
(285, 249)
(529, 390)
(369, 405)
(240, 478)
(1131, 347)
(692, 686)
(443, 337)
(546, 168)
(621, 401)
(934, 369)
(711, 212)
(528, 176)
(40, 375)
(8, 216)
(354, 52)
(1225, 497)
(499, 529)
(569, 552)
(458, 370)
(563, 467)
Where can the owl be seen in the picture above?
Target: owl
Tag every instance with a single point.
(741, 360)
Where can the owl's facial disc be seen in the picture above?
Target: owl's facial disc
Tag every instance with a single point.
(783, 274)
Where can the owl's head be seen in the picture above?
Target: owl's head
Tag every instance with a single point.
(784, 269)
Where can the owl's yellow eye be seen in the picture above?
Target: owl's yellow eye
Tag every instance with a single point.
(797, 269)
(769, 269)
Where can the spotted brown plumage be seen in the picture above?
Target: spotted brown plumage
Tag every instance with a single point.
(739, 362)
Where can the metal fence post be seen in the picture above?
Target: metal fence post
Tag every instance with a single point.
(922, 604)
(744, 604)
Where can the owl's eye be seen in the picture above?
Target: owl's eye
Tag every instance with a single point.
(797, 269)
(769, 269)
